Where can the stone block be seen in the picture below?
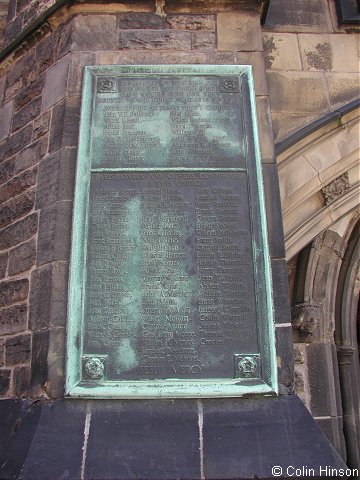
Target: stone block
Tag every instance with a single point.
(2, 89)
(22, 258)
(203, 40)
(127, 430)
(31, 155)
(21, 381)
(17, 349)
(55, 384)
(18, 232)
(41, 125)
(31, 91)
(239, 32)
(92, 32)
(13, 319)
(6, 112)
(281, 291)
(281, 51)
(45, 53)
(3, 264)
(16, 142)
(13, 291)
(54, 232)
(284, 123)
(39, 367)
(307, 15)
(76, 70)
(155, 40)
(343, 88)
(56, 178)
(55, 83)
(334, 430)
(5, 375)
(316, 52)
(16, 208)
(273, 211)
(256, 60)
(13, 28)
(267, 148)
(285, 359)
(221, 58)
(2, 351)
(191, 22)
(141, 21)
(48, 296)
(30, 68)
(26, 114)
(290, 92)
(18, 184)
(7, 170)
(65, 121)
(14, 74)
(321, 380)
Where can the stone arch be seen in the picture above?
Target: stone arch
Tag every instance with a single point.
(319, 183)
(319, 176)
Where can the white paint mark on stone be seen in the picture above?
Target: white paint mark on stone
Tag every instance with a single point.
(201, 438)
(86, 437)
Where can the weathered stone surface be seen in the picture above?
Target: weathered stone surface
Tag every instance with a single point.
(87, 33)
(7, 170)
(281, 291)
(2, 351)
(13, 291)
(220, 58)
(45, 53)
(285, 359)
(141, 21)
(2, 88)
(29, 92)
(41, 125)
(13, 319)
(284, 123)
(256, 60)
(5, 120)
(203, 40)
(3, 264)
(13, 28)
(18, 184)
(65, 124)
(56, 178)
(39, 365)
(16, 142)
(190, 22)
(274, 218)
(307, 15)
(294, 93)
(26, 114)
(21, 381)
(54, 232)
(48, 296)
(343, 88)
(76, 71)
(239, 32)
(17, 349)
(22, 258)
(4, 381)
(265, 130)
(316, 52)
(16, 208)
(55, 83)
(281, 51)
(18, 232)
(56, 363)
(30, 155)
(154, 39)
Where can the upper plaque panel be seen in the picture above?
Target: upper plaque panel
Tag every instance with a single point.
(170, 291)
(163, 121)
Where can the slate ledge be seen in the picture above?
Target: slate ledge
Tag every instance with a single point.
(161, 439)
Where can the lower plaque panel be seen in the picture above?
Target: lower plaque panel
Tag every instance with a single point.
(170, 289)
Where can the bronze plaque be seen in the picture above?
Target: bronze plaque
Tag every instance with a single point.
(169, 242)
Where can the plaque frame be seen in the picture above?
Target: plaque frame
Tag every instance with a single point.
(237, 386)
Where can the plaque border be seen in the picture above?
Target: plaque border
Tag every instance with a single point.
(75, 385)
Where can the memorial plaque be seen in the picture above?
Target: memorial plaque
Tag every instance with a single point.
(170, 291)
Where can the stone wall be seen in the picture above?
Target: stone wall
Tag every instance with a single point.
(40, 106)
(312, 63)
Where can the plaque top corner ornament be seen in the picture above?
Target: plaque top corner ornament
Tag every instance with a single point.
(106, 85)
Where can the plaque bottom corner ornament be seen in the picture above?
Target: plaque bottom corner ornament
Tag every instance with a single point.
(94, 367)
(247, 365)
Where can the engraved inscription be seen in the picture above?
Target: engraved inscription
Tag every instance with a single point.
(170, 285)
(179, 122)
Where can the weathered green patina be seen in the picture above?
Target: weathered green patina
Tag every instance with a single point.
(170, 291)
